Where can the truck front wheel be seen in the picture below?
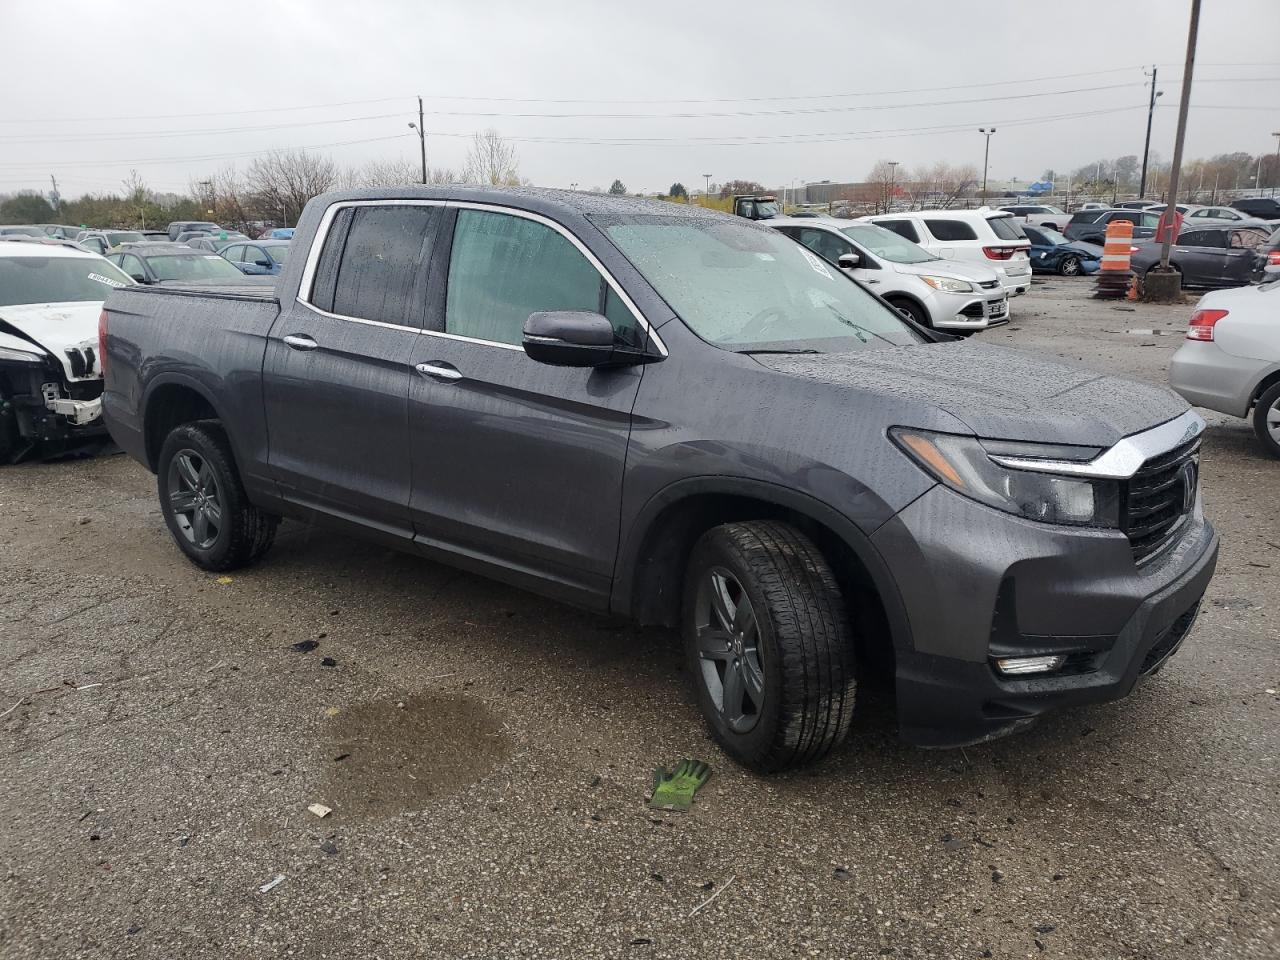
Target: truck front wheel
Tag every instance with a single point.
(204, 503)
(769, 644)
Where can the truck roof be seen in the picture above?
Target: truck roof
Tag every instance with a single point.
(533, 199)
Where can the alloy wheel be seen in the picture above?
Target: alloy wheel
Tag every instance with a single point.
(195, 498)
(728, 640)
(1070, 267)
(1273, 420)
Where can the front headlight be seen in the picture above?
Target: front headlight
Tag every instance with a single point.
(947, 285)
(20, 356)
(964, 464)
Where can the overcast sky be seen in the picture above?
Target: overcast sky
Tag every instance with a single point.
(804, 91)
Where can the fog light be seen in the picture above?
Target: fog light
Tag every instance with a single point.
(1018, 666)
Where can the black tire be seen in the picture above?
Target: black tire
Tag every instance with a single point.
(9, 439)
(1268, 409)
(1069, 267)
(197, 467)
(803, 652)
(913, 311)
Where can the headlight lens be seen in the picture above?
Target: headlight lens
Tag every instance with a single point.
(965, 465)
(21, 356)
(947, 285)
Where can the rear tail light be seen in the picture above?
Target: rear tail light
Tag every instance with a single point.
(999, 253)
(102, 343)
(1202, 321)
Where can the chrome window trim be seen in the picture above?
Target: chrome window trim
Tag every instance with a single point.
(1123, 460)
(307, 282)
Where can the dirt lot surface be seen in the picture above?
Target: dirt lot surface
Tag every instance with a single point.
(486, 754)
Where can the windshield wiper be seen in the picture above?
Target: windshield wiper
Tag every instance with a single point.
(779, 350)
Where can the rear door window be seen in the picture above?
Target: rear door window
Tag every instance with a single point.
(505, 267)
(952, 230)
(381, 263)
(903, 228)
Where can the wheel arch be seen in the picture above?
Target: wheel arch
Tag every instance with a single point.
(911, 298)
(1263, 385)
(650, 572)
(170, 401)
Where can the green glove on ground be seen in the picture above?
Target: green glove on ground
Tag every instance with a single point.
(674, 789)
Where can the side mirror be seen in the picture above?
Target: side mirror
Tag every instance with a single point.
(849, 261)
(139, 278)
(569, 338)
(262, 263)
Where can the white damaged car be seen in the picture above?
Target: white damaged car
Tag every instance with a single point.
(51, 295)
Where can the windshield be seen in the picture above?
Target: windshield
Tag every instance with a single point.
(193, 267)
(766, 209)
(740, 286)
(1047, 209)
(124, 237)
(22, 231)
(279, 254)
(57, 279)
(886, 244)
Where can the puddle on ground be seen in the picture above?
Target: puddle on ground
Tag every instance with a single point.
(396, 759)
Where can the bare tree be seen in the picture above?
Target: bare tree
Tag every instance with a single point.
(284, 180)
(393, 173)
(884, 179)
(491, 160)
(136, 196)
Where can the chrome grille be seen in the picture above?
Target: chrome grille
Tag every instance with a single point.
(1158, 499)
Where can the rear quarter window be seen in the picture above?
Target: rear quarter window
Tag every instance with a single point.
(381, 261)
(1005, 228)
(1086, 216)
(950, 230)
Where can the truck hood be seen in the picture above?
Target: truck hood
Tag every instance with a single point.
(997, 392)
(69, 331)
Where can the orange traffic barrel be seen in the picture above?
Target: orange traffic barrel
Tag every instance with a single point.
(1113, 278)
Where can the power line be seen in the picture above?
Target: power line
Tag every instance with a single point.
(206, 131)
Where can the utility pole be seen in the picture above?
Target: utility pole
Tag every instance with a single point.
(1174, 174)
(986, 155)
(422, 139)
(56, 197)
(888, 200)
(1146, 149)
(707, 192)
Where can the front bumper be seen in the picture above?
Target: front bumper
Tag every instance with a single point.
(1207, 376)
(968, 311)
(977, 583)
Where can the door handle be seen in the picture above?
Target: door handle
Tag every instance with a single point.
(439, 371)
(300, 341)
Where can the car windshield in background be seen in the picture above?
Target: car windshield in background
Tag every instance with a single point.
(743, 287)
(22, 232)
(279, 254)
(124, 237)
(199, 266)
(1006, 228)
(1053, 236)
(886, 244)
(57, 279)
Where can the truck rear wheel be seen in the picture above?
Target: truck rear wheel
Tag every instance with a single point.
(203, 500)
(769, 644)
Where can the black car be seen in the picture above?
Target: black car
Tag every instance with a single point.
(1264, 208)
(663, 412)
(1223, 256)
(1090, 226)
(174, 263)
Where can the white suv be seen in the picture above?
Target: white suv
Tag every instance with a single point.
(956, 297)
(992, 238)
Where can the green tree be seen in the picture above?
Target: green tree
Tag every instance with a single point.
(678, 190)
(26, 207)
(617, 188)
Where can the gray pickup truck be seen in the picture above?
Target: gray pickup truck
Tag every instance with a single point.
(688, 419)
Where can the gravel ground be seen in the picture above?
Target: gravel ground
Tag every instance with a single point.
(486, 754)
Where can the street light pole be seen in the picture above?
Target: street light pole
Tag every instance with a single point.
(422, 139)
(1146, 149)
(986, 155)
(707, 192)
(893, 169)
(1275, 174)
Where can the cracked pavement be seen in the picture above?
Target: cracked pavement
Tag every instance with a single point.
(486, 754)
